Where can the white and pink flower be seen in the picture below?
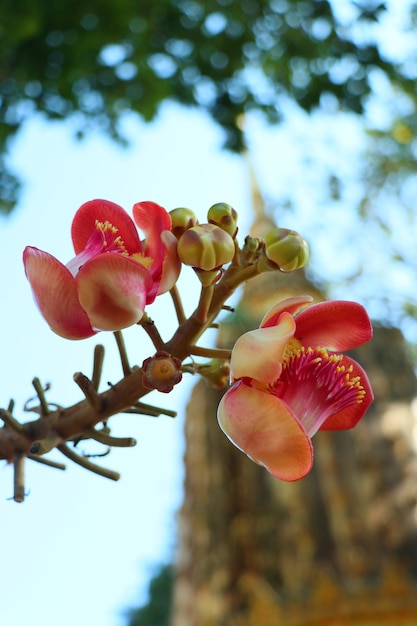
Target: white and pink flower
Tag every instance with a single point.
(291, 380)
(114, 274)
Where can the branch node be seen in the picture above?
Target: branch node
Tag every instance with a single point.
(10, 421)
(89, 390)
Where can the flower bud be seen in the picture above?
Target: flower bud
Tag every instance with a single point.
(287, 249)
(182, 219)
(216, 372)
(206, 247)
(224, 216)
(161, 371)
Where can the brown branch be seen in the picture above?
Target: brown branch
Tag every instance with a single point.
(210, 353)
(97, 366)
(86, 464)
(48, 462)
(19, 477)
(40, 392)
(122, 352)
(108, 440)
(88, 388)
(179, 309)
(151, 330)
(56, 427)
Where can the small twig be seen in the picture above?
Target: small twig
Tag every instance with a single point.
(97, 365)
(86, 464)
(210, 353)
(41, 459)
(19, 477)
(12, 422)
(147, 409)
(40, 392)
(11, 406)
(88, 389)
(109, 440)
(153, 333)
(202, 309)
(122, 352)
(179, 309)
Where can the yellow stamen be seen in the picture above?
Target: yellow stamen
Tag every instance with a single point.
(110, 240)
(292, 348)
(146, 261)
(106, 226)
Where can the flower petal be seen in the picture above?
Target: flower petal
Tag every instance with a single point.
(112, 289)
(258, 353)
(153, 219)
(262, 427)
(350, 417)
(171, 266)
(170, 269)
(289, 305)
(85, 219)
(55, 292)
(336, 325)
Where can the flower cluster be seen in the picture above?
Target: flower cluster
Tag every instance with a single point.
(288, 378)
(114, 274)
(289, 381)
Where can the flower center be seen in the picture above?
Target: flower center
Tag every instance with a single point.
(107, 238)
(104, 238)
(293, 347)
(316, 385)
(146, 261)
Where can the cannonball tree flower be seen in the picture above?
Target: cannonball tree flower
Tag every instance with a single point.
(291, 380)
(114, 274)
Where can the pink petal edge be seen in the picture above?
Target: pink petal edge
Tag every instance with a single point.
(289, 305)
(55, 293)
(336, 325)
(152, 219)
(85, 219)
(262, 427)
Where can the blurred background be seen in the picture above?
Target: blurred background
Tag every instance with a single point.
(299, 113)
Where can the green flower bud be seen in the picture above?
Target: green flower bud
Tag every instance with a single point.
(224, 216)
(205, 247)
(182, 219)
(287, 249)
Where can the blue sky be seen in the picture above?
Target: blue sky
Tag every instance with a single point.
(81, 548)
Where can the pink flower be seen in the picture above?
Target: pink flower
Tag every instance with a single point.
(114, 274)
(290, 381)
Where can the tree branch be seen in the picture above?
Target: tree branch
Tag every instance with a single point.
(55, 427)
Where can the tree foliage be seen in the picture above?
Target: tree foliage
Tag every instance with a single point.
(94, 60)
(157, 610)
